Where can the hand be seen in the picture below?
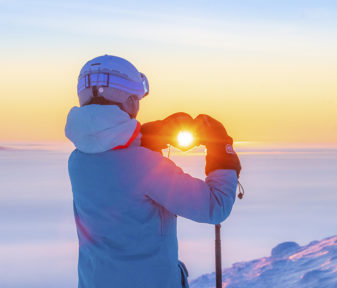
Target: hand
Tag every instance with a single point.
(220, 153)
(157, 135)
(211, 131)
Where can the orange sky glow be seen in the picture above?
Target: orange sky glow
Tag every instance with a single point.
(265, 80)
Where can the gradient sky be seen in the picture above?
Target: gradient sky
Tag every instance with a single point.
(266, 69)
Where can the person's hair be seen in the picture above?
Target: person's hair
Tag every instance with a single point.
(101, 101)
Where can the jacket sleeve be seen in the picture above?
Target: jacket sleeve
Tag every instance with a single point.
(208, 201)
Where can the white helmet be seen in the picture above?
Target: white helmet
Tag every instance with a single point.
(106, 75)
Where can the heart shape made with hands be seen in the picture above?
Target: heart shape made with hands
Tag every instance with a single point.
(183, 132)
(180, 130)
(187, 132)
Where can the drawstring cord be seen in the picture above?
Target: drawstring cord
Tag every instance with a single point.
(169, 151)
(241, 190)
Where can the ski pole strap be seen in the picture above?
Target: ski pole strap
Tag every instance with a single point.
(184, 274)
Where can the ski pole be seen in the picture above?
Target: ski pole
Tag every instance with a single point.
(218, 269)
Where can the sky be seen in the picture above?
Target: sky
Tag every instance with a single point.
(265, 69)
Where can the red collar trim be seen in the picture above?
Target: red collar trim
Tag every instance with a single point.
(133, 137)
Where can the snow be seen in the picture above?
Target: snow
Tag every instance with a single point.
(290, 265)
(284, 249)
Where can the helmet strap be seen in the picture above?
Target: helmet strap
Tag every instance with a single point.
(94, 91)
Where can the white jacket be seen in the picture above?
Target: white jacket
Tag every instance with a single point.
(126, 202)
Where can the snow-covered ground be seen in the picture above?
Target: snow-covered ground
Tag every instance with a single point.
(289, 265)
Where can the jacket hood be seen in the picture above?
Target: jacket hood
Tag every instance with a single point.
(98, 128)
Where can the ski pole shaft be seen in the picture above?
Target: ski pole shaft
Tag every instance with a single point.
(218, 272)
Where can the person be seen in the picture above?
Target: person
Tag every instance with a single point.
(126, 194)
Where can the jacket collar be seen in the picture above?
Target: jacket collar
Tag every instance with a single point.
(99, 128)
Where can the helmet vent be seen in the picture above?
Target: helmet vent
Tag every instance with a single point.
(95, 64)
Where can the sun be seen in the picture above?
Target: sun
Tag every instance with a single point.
(185, 138)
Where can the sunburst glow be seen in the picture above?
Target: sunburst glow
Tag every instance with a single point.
(185, 138)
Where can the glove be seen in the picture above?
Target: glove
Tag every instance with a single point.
(157, 135)
(220, 153)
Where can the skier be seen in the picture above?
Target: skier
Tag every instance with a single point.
(126, 194)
